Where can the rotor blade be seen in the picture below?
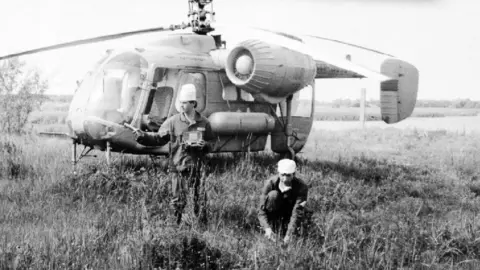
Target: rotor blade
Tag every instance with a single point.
(365, 61)
(323, 59)
(356, 70)
(299, 38)
(352, 45)
(91, 40)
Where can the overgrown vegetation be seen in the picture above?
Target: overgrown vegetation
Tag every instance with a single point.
(21, 92)
(386, 199)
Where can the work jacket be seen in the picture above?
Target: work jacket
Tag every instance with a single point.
(172, 129)
(291, 202)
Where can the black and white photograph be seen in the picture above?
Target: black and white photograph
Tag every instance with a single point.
(262, 135)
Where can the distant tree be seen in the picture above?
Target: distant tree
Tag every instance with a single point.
(21, 92)
(425, 103)
(433, 103)
(470, 104)
(356, 104)
(460, 103)
(337, 103)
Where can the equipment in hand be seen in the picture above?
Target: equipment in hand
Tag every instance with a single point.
(192, 139)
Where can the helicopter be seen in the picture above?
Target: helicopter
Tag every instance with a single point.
(263, 85)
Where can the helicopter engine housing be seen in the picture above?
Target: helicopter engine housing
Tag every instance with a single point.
(269, 72)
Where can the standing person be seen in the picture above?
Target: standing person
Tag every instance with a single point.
(190, 136)
(282, 201)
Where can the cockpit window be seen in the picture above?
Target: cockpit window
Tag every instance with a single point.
(116, 88)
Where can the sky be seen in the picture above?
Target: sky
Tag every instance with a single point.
(437, 36)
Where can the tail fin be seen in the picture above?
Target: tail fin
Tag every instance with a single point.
(398, 96)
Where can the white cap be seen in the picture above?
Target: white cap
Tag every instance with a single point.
(188, 92)
(286, 166)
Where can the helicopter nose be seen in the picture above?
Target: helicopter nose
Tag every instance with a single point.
(244, 65)
(98, 128)
(95, 130)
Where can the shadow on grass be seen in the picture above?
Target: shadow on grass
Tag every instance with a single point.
(370, 171)
(185, 251)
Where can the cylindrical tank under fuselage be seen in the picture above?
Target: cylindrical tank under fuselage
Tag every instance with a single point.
(230, 123)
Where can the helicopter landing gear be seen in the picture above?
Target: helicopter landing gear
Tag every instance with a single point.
(84, 153)
(288, 129)
(74, 157)
(108, 154)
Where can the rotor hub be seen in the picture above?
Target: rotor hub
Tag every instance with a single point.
(200, 16)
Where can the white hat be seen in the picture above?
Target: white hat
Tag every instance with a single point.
(286, 166)
(188, 92)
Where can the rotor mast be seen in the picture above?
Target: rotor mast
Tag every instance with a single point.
(199, 17)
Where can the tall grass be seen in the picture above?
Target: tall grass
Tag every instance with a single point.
(385, 199)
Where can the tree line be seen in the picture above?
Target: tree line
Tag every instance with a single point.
(465, 103)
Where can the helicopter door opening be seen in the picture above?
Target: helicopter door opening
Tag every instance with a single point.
(302, 119)
(157, 109)
(168, 82)
(197, 79)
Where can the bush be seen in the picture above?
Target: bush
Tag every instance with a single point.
(12, 165)
(22, 92)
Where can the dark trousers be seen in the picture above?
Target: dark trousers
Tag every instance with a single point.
(181, 183)
(279, 212)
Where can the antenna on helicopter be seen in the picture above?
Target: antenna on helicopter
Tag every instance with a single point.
(198, 13)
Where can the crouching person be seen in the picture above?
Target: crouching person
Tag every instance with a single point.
(282, 202)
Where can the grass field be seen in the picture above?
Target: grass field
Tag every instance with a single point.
(382, 199)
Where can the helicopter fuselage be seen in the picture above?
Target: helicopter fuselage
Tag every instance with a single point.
(139, 86)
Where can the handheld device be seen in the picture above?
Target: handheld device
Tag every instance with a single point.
(192, 138)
